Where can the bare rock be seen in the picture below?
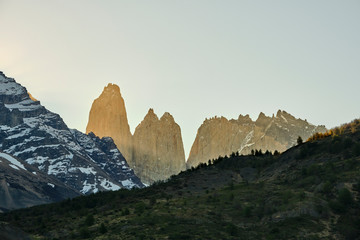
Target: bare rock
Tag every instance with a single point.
(108, 118)
(158, 148)
(219, 136)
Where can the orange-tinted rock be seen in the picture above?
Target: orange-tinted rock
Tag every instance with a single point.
(108, 118)
(158, 148)
(219, 136)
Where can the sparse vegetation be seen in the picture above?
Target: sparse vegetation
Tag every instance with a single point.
(309, 192)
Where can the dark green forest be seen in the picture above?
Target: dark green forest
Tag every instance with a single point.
(311, 191)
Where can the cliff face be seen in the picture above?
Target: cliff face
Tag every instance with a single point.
(108, 118)
(158, 148)
(40, 138)
(155, 152)
(219, 136)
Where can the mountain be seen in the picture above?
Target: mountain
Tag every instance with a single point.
(108, 118)
(311, 191)
(29, 132)
(22, 185)
(155, 151)
(158, 148)
(220, 136)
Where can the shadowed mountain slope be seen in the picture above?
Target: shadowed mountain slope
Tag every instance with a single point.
(311, 191)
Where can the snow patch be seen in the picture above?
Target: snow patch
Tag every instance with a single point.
(51, 185)
(128, 184)
(8, 86)
(36, 160)
(88, 170)
(57, 168)
(106, 184)
(14, 163)
(284, 118)
(14, 167)
(24, 106)
(87, 187)
(246, 141)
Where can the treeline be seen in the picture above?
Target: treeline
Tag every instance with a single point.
(256, 159)
(351, 127)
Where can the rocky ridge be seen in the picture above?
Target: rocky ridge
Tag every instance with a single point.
(40, 138)
(158, 148)
(108, 118)
(155, 151)
(23, 185)
(220, 136)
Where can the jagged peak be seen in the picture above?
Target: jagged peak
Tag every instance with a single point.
(245, 118)
(4, 77)
(10, 87)
(151, 115)
(31, 97)
(286, 116)
(261, 116)
(112, 88)
(167, 116)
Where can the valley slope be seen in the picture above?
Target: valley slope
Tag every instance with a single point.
(156, 151)
(311, 191)
(40, 138)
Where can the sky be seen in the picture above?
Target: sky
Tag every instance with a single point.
(194, 59)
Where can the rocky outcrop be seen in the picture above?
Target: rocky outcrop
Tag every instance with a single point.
(108, 118)
(155, 152)
(23, 185)
(40, 138)
(158, 148)
(219, 136)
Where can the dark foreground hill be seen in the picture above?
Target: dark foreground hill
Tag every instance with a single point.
(311, 191)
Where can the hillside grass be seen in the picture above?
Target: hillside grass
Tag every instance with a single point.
(311, 191)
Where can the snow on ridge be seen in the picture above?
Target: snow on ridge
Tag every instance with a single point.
(14, 163)
(20, 134)
(128, 184)
(24, 106)
(106, 184)
(87, 187)
(37, 160)
(8, 86)
(87, 171)
(32, 149)
(284, 118)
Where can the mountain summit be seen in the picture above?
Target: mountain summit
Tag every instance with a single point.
(155, 152)
(220, 136)
(108, 118)
(31, 133)
(158, 148)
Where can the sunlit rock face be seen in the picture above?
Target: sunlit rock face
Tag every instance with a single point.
(108, 118)
(155, 152)
(158, 148)
(41, 139)
(220, 136)
(31, 97)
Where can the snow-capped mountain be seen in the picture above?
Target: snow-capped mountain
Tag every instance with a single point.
(40, 138)
(23, 185)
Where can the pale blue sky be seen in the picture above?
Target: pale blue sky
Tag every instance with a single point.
(194, 59)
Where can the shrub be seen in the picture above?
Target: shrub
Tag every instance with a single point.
(345, 197)
(102, 228)
(299, 140)
(84, 233)
(89, 221)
